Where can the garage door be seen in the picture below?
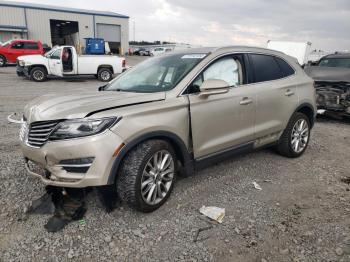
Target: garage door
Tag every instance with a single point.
(110, 33)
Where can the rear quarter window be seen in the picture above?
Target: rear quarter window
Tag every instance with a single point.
(265, 68)
(287, 70)
(32, 46)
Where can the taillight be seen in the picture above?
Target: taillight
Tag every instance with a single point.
(124, 63)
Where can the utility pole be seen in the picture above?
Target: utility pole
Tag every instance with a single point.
(134, 28)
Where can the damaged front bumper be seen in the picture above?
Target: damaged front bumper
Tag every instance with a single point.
(333, 97)
(74, 163)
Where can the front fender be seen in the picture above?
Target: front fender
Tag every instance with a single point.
(179, 147)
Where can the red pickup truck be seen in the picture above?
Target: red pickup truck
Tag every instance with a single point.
(10, 50)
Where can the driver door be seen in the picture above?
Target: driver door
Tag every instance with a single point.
(55, 63)
(221, 122)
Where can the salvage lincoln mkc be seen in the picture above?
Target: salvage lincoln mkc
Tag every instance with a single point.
(169, 115)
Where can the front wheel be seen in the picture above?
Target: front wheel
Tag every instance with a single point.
(295, 137)
(147, 175)
(104, 75)
(2, 61)
(38, 74)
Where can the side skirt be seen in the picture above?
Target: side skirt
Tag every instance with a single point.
(214, 158)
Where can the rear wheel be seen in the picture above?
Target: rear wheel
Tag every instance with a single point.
(104, 74)
(295, 137)
(2, 61)
(38, 74)
(147, 175)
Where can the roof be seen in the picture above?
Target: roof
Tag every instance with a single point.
(60, 9)
(338, 55)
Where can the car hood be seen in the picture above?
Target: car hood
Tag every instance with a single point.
(331, 74)
(32, 58)
(70, 106)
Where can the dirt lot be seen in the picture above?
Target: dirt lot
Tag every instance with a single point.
(302, 212)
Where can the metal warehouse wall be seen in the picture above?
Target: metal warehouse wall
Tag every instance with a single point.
(124, 28)
(38, 22)
(12, 16)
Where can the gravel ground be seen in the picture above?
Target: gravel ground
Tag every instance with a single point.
(301, 213)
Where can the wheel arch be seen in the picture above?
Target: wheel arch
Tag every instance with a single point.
(174, 140)
(37, 65)
(105, 66)
(308, 110)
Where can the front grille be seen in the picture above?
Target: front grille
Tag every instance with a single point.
(39, 132)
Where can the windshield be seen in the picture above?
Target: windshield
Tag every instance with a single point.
(335, 62)
(48, 53)
(6, 43)
(156, 74)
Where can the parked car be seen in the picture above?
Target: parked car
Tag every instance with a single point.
(64, 61)
(46, 48)
(158, 51)
(332, 83)
(169, 115)
(142, 52)
(11, 50)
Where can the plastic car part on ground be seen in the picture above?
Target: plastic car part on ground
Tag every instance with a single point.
(257, 186)
(68, 205)
(214, 213)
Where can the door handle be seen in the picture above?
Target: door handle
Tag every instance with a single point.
(246, 101)
(289, 92)
(58, 63)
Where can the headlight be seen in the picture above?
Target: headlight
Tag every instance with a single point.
(21, 63)
(82, 127)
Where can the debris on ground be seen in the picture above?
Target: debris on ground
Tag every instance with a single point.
(214, 213)
(257, 186)
(68, 205)
(345, 180)
(42, 206)
(196, 236)
(108, 196)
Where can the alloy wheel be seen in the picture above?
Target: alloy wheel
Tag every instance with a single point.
(2, 61)
(157, 177)
(300, 135)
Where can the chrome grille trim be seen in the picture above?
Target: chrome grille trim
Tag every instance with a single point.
(39, 132)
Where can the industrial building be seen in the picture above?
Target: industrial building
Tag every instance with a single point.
(54, 25)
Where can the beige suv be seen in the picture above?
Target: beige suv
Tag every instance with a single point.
(169, 115)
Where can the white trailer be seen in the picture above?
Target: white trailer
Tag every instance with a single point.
(299, 50)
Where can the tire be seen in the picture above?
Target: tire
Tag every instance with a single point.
(104, 74)
(301, 137)
(2, 61)
(38, 74)
(136, 169)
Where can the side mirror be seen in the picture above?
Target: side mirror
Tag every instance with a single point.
(213, 87)
(101, 88)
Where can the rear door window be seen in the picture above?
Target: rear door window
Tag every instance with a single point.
(32, 46)
(265, 68)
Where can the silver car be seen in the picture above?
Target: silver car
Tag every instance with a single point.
(169, 116)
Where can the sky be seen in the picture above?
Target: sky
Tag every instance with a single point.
(324, 23)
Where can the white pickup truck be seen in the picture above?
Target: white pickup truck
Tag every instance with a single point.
(64, 61)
